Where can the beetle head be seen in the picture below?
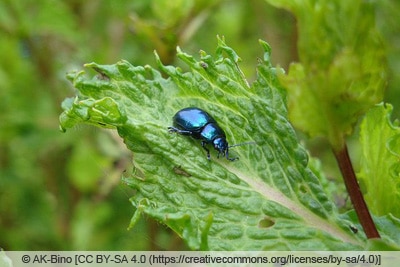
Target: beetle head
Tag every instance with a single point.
(221, 145)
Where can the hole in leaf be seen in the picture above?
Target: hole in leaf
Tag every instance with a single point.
(303, 189)
(266, 223)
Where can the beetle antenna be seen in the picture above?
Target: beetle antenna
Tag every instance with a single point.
(245, 143)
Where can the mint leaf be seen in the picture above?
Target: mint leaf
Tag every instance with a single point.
(269, 199)
(341, 73)
(388, 227)
(380, 167)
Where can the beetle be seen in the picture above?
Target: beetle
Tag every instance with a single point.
(198, 124)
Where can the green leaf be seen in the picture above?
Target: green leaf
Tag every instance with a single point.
(388, 227)
(380, 165)
(342, 68)
(269, 199)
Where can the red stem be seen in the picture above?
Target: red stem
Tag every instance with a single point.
(350, 180)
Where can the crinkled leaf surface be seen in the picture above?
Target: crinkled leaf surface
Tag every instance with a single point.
(388, 227)
(342, 70)
(380, 165)
(267, 200)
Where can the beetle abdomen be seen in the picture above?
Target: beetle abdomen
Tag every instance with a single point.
(192, 119)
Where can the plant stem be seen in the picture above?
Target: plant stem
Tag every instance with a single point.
(350, 180)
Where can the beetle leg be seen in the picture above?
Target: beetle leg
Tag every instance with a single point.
(203, 144)
(228, 158)
(178, 131)
(232, 159)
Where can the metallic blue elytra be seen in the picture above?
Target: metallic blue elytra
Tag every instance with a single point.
(199, 124)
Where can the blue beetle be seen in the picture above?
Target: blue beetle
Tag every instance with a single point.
(199, 124)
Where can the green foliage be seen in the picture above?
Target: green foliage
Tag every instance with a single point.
(62, 191)
(44, 179)
(389, 26)
(380, 173)
(269, 199)
(387, 226)
(341, 73)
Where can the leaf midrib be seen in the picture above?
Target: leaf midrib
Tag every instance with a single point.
(308, 216)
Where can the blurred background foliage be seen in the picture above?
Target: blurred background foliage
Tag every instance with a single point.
(63, 191)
